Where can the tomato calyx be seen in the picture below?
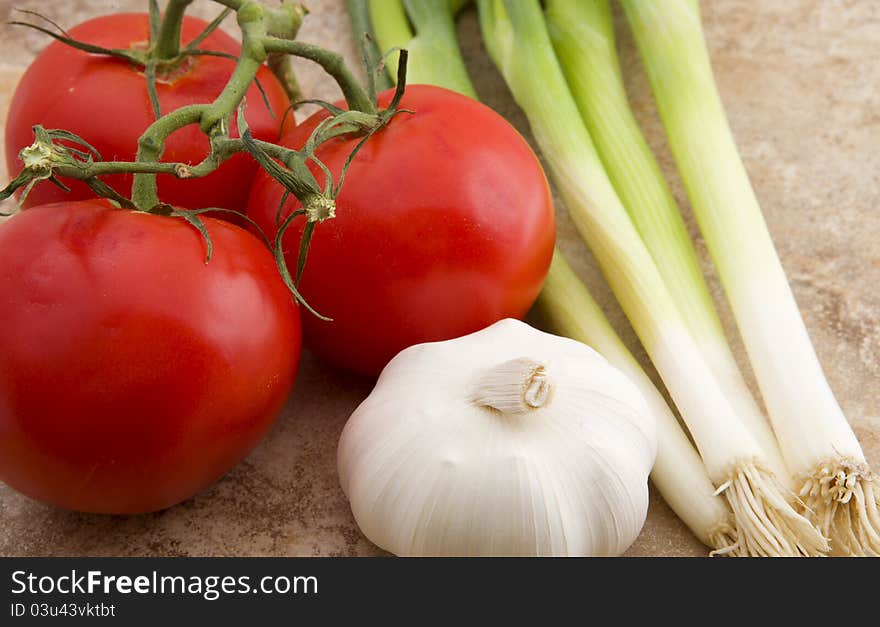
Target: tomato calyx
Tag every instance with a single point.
(47, 155)
(319, 205)
(166, 71)
(161, 59)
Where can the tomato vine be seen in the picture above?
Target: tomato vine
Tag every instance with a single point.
(267, 34)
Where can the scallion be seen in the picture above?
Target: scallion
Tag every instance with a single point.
(583, 37)
(433, 40)
(819, 447)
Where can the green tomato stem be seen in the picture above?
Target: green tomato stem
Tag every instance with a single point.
(167, 44)
(280, 66)
(265, 35)
(235, 5)
(251, 19)
(284, 23)
(221, 151)
(151, 145)
(333, 64)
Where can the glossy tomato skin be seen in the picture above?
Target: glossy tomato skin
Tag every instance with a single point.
(444, 225)
(132, 374)
(105, 101)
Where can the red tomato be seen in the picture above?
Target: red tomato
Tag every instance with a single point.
(444, 225)
(132, 374)
(105, 101)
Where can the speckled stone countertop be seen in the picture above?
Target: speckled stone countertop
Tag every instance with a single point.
(801, 84)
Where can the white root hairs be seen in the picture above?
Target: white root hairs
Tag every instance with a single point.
(724, 542)
(841, 497)
(766, 524)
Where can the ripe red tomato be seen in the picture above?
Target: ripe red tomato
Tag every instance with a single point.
(444, 225)
(132, 373)
(105, 101)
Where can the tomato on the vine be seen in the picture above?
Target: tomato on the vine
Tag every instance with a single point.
(133, 374)
(444, 225)
(105, 101)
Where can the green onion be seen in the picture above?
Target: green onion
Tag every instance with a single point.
(766, 523)
(568, 307)
(818, 445)
(434, 39)
(583, 37)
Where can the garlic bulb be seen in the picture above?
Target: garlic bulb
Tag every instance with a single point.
(508, 441)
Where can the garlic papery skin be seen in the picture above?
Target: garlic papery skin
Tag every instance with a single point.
(505, 442)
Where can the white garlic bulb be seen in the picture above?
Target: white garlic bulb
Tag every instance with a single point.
(508, 441)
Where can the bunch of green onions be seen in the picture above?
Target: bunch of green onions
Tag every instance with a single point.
(821, 451)
(562, 69)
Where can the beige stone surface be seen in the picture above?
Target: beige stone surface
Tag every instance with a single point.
(801, 83)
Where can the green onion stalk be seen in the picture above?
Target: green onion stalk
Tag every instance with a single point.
(434, 56)
(839, 490)
(766, 522)
(583, 37)
(567, 306)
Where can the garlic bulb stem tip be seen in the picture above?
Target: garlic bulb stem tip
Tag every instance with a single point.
(516, 386)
